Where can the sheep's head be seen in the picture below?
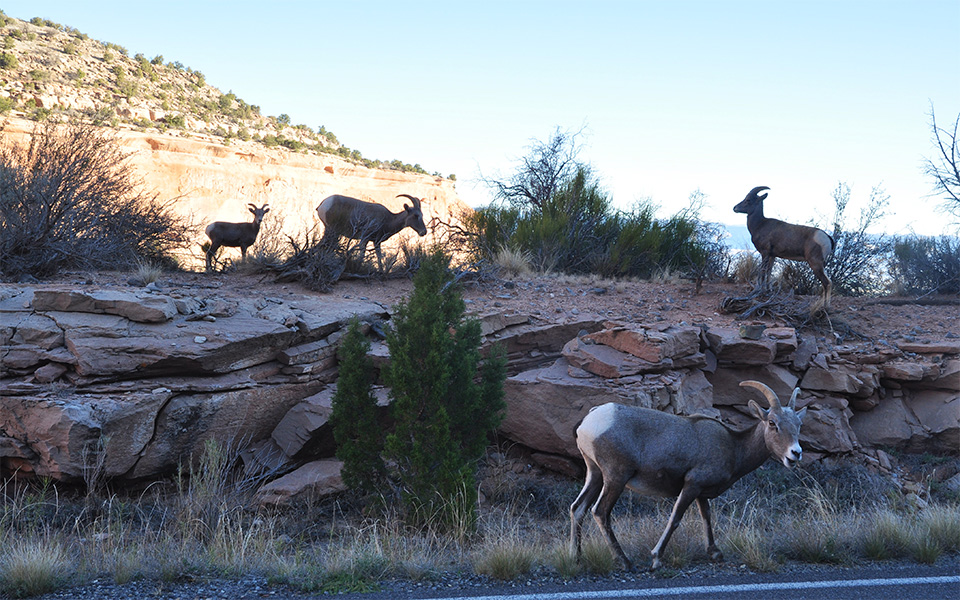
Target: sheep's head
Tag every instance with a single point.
(414, 215)
(781, 424)
(752, 200)
(258, 212)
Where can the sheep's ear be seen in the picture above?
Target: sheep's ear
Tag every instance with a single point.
(761, 413)
(407, 207)
(800, 413)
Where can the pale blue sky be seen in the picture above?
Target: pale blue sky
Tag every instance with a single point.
(672, 96)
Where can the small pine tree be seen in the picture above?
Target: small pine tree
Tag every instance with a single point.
(356, 432)
(443, 414)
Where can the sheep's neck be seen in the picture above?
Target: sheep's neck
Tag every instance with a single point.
(752, 450)
(755, 219)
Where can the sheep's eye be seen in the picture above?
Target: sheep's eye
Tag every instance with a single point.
(774, 425)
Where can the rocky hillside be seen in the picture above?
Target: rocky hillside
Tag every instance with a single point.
(210, 150)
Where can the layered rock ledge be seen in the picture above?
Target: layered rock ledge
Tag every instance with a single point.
(135, 381)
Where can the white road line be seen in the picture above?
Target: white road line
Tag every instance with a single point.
(720, 589)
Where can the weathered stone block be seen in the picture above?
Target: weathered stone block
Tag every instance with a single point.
(138, 308)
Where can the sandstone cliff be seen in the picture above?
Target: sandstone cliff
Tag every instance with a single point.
(214, 182)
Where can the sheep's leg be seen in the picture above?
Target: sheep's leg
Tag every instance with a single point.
(578, 510)
(819, 271)
(704, 505)
(609, 495)
(376, 246)
(686, 497)
(766, 267)
(211, 253)
(243, 253)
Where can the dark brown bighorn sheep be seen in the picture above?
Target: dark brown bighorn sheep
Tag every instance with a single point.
(233, 235)
(660, 454)
(776, 239)
(366, 221)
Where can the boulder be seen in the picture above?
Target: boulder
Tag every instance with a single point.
(650, 343)
(727, 390)
(304, 430)
(733, 350)
(939, 414)
(314, 480)
(889, 424)
(840, 378)
(826, 426)
(608, 362)
(544, 406)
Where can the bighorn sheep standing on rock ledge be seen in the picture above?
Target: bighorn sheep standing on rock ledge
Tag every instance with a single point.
(232, 235)
(367, 221)
(776, 239)
(659, 454)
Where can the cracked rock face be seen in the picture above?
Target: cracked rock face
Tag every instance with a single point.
(130, 385)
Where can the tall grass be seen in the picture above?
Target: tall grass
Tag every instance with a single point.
(205, 525)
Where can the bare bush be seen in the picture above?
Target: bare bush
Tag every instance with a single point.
(859, 258)
(317, 266)
(926, 265)
(69, 199)
(944, 168)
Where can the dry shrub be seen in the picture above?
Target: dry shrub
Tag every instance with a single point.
(746, 267)
(69, 199)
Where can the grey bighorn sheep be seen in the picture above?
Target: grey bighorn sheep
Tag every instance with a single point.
(660, 454)
(774, 238)
(367, 221)
(233, 235)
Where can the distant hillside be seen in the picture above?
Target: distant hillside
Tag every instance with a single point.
(49, 69)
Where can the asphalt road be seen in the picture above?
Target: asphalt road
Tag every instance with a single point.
(878, 582)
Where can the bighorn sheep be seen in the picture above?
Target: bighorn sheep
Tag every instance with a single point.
(232, 235)
(367, 221)
(660, 454)
(776, 239)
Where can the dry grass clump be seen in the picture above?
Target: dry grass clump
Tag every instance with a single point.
(512, 262)
(31, 567)
(506, 552)
(886, 535)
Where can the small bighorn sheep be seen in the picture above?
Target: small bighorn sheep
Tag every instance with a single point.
(660, 454)
(776, 239)
(232, 235)
(367, 221)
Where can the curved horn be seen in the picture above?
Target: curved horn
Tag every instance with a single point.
(416, 201)
(770, 395)
(251, 205)
(756, 191)
(793, 398)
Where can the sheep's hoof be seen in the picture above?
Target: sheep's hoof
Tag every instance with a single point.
(655, 564)
(716, 555)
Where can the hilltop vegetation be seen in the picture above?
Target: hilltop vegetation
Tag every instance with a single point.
(52, 70)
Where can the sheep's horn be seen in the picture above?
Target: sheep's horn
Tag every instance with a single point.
(793, 398)
(770, 395)
(755, 191)
(416, 201)
(251, 205)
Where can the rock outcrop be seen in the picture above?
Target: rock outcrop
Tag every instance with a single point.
(133, 383)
